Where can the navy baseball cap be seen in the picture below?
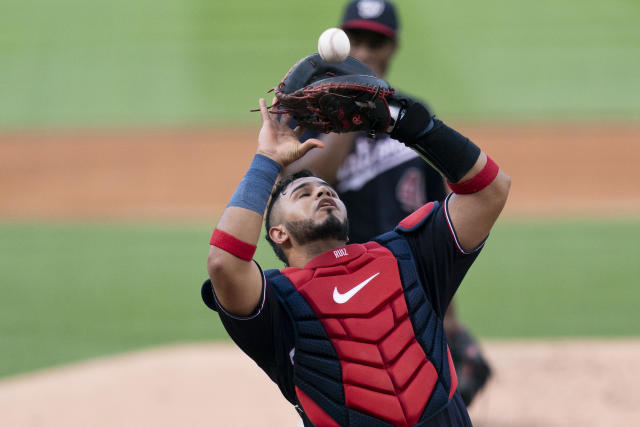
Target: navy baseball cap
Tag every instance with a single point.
(378, 16)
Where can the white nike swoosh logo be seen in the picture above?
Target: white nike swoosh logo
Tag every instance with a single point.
(342, 298)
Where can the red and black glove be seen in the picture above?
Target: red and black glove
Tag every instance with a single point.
(326, 97)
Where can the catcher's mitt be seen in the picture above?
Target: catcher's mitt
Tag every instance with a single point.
(343, 97)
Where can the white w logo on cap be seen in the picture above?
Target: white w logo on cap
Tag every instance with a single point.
(369, 9)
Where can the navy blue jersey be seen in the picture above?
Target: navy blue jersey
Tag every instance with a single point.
(382, 181)
(267, 336)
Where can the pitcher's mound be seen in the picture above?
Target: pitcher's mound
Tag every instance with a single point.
(536, 383)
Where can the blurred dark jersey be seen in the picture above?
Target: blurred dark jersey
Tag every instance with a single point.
(382, 181)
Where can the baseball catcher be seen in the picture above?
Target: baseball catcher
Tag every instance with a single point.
(352, 334)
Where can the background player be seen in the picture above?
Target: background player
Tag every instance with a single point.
(381, 181)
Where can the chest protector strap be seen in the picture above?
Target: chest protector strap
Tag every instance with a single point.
(369, 349)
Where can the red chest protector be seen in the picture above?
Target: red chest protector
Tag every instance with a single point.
(361, 358)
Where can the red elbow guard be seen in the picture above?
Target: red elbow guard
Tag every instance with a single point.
(478, 182)
(233, 245)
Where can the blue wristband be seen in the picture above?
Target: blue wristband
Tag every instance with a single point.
(255, 188)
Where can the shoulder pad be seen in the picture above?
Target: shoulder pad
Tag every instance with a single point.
(271, 274)
(417, 218)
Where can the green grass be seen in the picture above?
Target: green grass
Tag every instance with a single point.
(72, 292)
(563, 279)
(522, 60)
(180, 62)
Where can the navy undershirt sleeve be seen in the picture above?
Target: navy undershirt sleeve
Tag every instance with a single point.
(267, 338)
(440, 263)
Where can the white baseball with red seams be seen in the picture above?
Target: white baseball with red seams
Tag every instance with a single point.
(333, 45)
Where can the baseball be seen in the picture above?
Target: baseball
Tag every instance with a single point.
(333, 45)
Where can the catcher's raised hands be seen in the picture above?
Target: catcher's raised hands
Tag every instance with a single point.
(278, 141)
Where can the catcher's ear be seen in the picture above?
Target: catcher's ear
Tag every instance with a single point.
(278, 234)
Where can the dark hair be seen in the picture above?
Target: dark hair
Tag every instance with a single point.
(282, 184)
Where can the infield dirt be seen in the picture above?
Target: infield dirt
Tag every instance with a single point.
(558, 171)
(536, 384)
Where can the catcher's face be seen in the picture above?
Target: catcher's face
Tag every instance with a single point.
(309, 209)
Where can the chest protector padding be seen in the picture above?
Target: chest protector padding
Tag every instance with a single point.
(369, 350)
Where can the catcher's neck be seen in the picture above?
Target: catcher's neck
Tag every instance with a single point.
(299, 256)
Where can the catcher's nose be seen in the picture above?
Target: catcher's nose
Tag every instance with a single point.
(324, 191)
